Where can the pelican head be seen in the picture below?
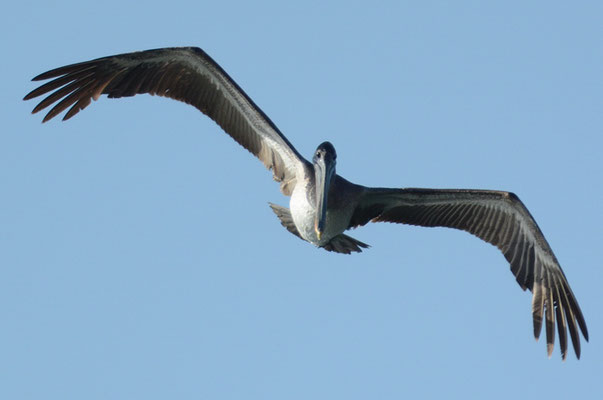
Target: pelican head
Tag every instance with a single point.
(324, 161)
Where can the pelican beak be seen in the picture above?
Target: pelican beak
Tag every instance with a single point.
(324, 171)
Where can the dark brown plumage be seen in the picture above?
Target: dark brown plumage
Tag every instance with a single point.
(175, 73)
(189, 75)
(501, 219)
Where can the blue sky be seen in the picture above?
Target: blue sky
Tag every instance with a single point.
(124, 276)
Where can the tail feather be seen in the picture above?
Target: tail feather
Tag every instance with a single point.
(345, 245)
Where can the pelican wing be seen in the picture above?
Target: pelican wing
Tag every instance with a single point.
(501, 219)
(186, 74)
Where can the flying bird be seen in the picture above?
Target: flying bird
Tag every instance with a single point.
(324, 205)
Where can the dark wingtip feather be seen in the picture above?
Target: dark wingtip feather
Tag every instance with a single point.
(48, 117)
(537, 309)
(577, 351)
(53, 73)
(56, 72)
(549, 349)
(537, 326)
(576, 316)
(40, 106)
(549, 322)
(579, 317)
(30, 95)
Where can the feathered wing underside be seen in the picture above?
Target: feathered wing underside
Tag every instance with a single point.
(186, 74)
(501, 219)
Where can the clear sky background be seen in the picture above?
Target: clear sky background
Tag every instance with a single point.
(139, 258)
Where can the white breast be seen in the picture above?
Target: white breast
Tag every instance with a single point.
(303, 213)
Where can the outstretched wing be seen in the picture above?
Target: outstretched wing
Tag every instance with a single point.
(501, 219)
(186, 74)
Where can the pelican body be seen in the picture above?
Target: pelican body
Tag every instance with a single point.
(324, 205)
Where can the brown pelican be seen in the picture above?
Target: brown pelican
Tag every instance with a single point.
(323, 204)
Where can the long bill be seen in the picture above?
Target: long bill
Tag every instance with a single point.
(323, 173)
